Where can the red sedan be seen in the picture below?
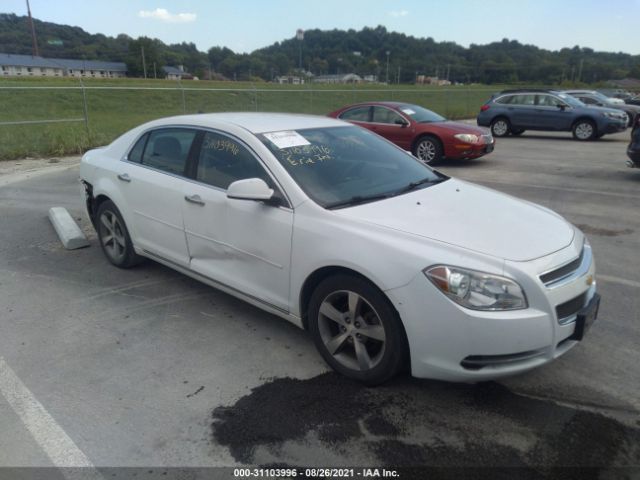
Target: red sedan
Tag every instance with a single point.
(426, 134)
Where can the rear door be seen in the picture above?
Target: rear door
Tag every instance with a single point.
(152, 179)
(521, 111)
(552, 113)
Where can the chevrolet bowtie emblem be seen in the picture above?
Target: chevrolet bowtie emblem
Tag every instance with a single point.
(590, 280)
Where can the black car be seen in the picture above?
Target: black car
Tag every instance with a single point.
(632, 100)
(633, 151)
(593, 98)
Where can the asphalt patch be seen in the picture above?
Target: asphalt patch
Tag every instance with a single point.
(603, 232)
(329, 420)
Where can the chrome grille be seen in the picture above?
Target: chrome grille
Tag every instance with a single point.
(568, 271)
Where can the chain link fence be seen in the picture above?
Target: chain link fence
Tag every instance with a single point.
(59, 120)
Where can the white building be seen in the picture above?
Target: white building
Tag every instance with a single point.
(30, 66)
(338, 78)
(176, 73)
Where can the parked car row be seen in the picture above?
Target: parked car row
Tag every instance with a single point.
(633, 151)
(514, 111)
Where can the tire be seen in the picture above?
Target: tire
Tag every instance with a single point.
(370, 348)
(114, 237)
(428, 149)
(500, 127)
(519, 131)
(584, 130)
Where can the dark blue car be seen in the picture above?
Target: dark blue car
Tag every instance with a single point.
(514, 111)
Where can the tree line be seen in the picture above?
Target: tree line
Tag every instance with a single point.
(390, 56)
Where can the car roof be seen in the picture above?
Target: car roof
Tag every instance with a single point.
(252, 121)
(384, 103)
(585, 92)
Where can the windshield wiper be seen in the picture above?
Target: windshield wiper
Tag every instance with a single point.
(358, 199)
(416, 184)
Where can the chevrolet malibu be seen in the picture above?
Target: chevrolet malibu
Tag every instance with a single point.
(386, 262)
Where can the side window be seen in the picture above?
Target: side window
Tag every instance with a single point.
(588, 100)
(358, 114)
(549, 101)
(524, 100)
(385, 115)
(222, 161)
(507, 99)
(135, 155)
(167, 149)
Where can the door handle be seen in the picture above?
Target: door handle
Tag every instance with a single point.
(194, 199)
(124, 177)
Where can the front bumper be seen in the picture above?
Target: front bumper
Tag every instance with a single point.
(452, 343)
(634, 156)
(463, 151)
(613, 126)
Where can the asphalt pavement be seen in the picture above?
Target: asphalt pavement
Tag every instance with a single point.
(102, 367)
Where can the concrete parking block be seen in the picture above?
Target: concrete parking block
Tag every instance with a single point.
(70, 234)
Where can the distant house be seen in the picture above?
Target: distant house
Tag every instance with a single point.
(424, 80)
(338, 78)
(30, 66)
(289, 79)
(632, 83)
(176, 73)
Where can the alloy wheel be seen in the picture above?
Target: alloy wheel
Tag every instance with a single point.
(584, 131)
(351, 330)
(500, 128)
(112, 236)
(426, 151)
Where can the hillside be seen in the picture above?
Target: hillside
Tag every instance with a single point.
(335, 51)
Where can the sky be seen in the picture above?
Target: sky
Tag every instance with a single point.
(245, 25)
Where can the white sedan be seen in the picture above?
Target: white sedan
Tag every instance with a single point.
(387, 262)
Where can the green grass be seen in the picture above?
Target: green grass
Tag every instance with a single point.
(113, 112)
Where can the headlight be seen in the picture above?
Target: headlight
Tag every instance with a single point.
(477, 290)
(467, 137)
(617, 116)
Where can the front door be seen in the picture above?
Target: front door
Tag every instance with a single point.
(392, 126)
(243, 244)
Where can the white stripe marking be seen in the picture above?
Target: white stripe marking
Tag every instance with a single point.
(621, 281)
(57, 445)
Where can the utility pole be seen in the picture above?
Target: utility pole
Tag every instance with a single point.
(448, 69)
(155, 74)
(144, 63)
(33, 32)
(300, 37)
(398, 74)
(580, 69)
(388, 53)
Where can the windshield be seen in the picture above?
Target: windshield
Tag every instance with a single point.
(342, 166)
(574, 102)
(601, 97)
(420, 114)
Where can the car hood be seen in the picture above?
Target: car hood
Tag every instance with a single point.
(455, 127)
(471, 217)
(615, 110)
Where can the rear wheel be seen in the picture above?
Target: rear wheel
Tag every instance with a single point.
(114, 236)
(356, 330)
(428, 149)
(500, 127)
(584, 130)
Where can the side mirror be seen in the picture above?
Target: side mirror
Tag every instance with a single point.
(250, 189)
(562, 107)
(401, 121)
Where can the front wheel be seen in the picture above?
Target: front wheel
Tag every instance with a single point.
(356, 330)
(584, 130)
(429, 150)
